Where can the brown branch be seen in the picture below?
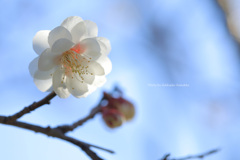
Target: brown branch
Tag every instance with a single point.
(67, 128)
(54, 132)
(30, 108)
(200, 156)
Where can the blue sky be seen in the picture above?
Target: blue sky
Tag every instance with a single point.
(153, 42)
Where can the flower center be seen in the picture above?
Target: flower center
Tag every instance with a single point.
(78, 48)
(74, 62)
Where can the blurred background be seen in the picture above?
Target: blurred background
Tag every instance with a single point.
(176, 60)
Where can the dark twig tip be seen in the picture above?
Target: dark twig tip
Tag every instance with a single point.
(166, 157)
(200, 156)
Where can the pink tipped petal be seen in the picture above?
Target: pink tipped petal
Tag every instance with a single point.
(78, 31)
(58, 33)
(91, 29)
(96, 69)
(104, 45)
(105, 62)
(92, 48)
(33, 66)
(71, 22)
(43, 85)
(76, 87)
(59, 84)
(61, 46)
(40, 41)
(46, 60)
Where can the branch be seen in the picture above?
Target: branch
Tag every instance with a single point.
(54, 132)
(67, 128)
(30, 108)
(200, 156)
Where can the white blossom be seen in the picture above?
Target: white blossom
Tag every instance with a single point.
(72, 59)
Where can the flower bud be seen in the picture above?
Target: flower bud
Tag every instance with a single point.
(123, 106)
(112, 117)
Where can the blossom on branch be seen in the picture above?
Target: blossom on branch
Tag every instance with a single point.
(72, 59)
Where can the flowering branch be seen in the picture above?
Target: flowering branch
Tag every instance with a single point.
(200, 156)
(54, 132)
(114, 113)
(30, 108)
(57, 132)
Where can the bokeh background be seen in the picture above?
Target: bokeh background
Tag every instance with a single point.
(155, 44)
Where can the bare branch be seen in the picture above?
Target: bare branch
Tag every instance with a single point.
(67, 128)
(54, 132)
(200, 156)
(30, 108)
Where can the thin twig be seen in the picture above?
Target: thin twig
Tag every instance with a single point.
(200, 156)
(54, 132)
(30, 108)
(67, 128)
(71, 127)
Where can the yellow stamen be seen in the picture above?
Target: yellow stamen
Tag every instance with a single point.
(74, 62)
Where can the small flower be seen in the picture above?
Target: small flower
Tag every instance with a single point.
(123, 106)
(112, 117)
(72, 59)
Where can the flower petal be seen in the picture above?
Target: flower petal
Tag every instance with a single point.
(58, 33)
(33, 66)
(59, 83)
(99, 81)
(92, 48)
(40, 41)
(105, 45)
(91, 29)
(95, 68)
(78, 31)
(43, 75)
(106, 63)
(91, 89)
(43, 85)
(61, 46)
(88, 78)
(76, 87)
(84, 29)
(70, 22)
(46, 60)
